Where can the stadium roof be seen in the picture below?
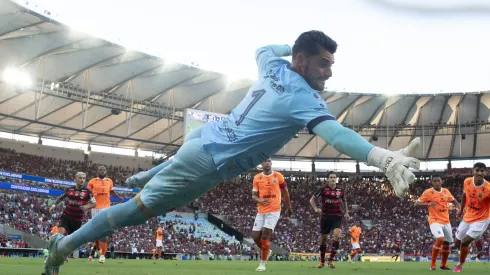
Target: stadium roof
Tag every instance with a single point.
(66, 68)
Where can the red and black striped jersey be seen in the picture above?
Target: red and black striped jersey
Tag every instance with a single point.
(76, 198)
(331, 200)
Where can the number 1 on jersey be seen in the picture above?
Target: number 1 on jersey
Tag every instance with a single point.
(256, 95)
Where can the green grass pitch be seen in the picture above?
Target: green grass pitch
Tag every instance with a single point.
(26, 266)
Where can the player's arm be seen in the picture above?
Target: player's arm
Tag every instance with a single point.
(90, 204)
(462, 206)
(456, 204)
(255, 194)
(352, 144)
(313, 199)
(269, 56)
(58, 201)
(287, 199)
(418, 203)
(345, 206)
(115, 195)
(255, 198)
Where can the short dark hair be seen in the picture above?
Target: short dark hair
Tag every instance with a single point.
(331, 173)
(308, 42)
(435, 176)
(480, 165)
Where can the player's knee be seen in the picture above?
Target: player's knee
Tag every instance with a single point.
(266, 234)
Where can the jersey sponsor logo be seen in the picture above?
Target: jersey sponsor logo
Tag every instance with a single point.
(331, 201)
(269, 196)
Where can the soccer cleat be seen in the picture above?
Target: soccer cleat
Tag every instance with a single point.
(331, 264)
(433, 268)
(261, 268)
(444, 267)
(54, 261)
(458, 268)
(102, 259)
(321, 265)
(90, 259)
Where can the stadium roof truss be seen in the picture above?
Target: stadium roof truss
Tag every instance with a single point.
(90, 90)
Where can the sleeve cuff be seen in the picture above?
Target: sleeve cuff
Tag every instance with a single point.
(313, 123)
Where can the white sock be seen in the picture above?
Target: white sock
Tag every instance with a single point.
(263, 262)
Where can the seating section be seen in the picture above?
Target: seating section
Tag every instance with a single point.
(370, 201)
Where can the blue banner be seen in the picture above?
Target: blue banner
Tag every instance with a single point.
(33, 189)
(14, 237)
(54, 181)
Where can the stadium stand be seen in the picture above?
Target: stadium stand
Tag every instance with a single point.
(372, 202)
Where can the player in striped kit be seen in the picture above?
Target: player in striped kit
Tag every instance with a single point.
(333, 199)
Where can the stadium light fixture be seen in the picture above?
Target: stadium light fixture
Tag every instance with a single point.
(16, 77)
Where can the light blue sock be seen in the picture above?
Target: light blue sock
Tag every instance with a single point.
(102, 225)
(344, 139)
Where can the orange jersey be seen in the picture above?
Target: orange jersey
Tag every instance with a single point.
(355, 234)
(159, 233)
(54, 230)
(101, 190)
(269, 188)
(477, 201)
(440, 212)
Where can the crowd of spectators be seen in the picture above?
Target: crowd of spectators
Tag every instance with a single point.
(372, 202)
(54, 168)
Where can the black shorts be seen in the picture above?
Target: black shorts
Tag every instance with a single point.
(70, 225)
(329, 223)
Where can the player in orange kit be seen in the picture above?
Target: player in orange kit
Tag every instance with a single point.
(159, 243)
(268, 188)
(102, 188)
(436, 200)
(355, 237)
(476, 206)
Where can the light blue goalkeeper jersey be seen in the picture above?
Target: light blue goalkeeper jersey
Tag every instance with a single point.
(276, 107)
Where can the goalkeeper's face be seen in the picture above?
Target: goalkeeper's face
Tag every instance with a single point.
(316, 69)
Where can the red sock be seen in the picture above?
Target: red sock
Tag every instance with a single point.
(323, 250)
(445, 254)
(266, 246)
(463, 253)
(354, 253)
(258, 242)
(103, 248)
(435, 251)
(333, 251)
